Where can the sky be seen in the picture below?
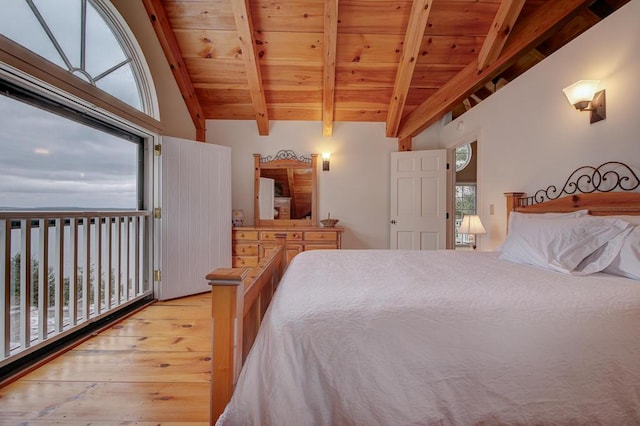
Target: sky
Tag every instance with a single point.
(49, 161)
(102, 50)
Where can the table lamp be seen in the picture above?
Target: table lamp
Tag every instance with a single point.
(471, 225)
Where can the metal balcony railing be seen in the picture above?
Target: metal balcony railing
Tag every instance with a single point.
(60, 271)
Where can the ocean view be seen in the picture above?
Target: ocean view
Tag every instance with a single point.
(105, 246)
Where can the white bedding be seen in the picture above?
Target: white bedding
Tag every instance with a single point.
(377, 337)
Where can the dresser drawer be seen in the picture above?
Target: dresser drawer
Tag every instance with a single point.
(283, 213)
(308, 247)
(293, 250)
(244, 261)
(271, 235)
(244, 249)
(321, 236)
(252, 244)
(245, 235)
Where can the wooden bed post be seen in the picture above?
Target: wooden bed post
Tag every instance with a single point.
(513, 201)
(226, 303)
(239, 300)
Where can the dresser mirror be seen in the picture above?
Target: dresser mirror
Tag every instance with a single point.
(285, 189)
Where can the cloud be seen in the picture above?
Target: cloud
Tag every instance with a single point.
(51, 161)
(63, 18)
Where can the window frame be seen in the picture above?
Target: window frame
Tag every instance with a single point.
(464, 239)
(23, 65)
(467, 160)
(48, 83)
(27, 96)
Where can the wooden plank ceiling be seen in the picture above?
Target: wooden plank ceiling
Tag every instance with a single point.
(406, 63)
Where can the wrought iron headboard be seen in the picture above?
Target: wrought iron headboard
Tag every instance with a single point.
(607, 177)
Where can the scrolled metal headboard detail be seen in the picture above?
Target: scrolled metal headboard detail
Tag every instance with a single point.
(285, 154)
(606, 177)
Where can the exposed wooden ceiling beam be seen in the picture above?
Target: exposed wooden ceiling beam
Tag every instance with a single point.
(499, 32)
(244, 26)
(526, 34)
(329, 66)
(420, 10)
(169, 44)
(405, 144)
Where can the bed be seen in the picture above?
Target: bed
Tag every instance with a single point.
(380, 337)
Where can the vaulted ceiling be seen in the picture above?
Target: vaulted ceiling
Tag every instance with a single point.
(406, 63)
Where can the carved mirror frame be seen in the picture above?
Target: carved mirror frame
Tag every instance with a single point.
(285, 159)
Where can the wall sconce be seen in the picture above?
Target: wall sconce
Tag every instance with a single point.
(326, 156)
(584, 96)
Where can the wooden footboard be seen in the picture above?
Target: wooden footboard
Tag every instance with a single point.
(239, 300)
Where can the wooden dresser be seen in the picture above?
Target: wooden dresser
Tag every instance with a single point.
(251, 243)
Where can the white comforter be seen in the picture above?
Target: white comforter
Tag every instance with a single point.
(378, 337)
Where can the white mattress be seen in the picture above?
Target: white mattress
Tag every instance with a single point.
(377, 337)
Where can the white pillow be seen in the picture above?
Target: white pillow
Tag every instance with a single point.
(564, 243)
(518, 215)
(627, 263)
(552, 215)
(600, 259)
(577, 213)
(633, 219)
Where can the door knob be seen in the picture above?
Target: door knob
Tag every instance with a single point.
(393, 222)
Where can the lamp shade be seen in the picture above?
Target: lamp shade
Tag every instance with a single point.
(581, 92)
(471, 224)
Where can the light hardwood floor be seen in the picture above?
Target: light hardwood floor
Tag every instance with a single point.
(152, 368)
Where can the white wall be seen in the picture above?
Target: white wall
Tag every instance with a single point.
(355, 190)
(530, 137)
(174, 114)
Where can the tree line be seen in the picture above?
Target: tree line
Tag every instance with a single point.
(15, 277)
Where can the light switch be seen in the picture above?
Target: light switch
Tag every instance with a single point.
(491, 209)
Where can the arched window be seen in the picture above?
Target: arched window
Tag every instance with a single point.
(74, 168)
(88, 39)
(463, 156)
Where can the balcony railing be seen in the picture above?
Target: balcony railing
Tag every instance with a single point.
(60, 271)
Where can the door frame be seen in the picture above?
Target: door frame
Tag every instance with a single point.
(468, 139)
(451, 200)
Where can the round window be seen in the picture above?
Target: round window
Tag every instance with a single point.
(463, 156)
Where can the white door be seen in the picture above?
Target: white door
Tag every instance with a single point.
(418, 200)
(195, 222)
